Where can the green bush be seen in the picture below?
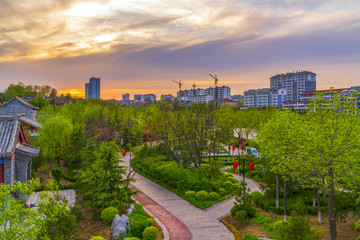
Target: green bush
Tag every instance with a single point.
(150, 221)
(243, 202)
(150, 233)
(43, 168)
(133, 238)
(138, 224)
(256, 196)
(108, 215)
(297, 228)
(33, 175)
(97, 238)
(190, 194)
(202, 195)
(249, 237)
(213, 196)
(228, 185)
(138, 206)
(76, 211)
(222, 191)
(231, 179)
(57, 173)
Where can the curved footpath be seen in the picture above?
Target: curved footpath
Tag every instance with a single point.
(168, 207)
(221, 209)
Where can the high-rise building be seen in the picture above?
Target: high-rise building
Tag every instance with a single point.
(264, 97)
(126, 97)
(294, 83)
(222, 92)
(92, 88)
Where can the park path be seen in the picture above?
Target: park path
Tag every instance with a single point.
(222, 209)
(200, 224)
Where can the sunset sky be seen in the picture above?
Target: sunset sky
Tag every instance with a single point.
(139, 46)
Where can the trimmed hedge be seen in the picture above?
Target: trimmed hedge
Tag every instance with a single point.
(150, 233)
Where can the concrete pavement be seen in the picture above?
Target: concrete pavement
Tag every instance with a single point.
(200, 224)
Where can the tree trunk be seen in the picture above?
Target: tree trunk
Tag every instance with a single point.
(319, 208)
(277, 190)
(285, 202)
(332, 217)
(314, 196)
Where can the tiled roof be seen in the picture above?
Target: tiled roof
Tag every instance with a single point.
(311, 93)
(30, 122)
(22, 101)
(27, 150)
(9, 131)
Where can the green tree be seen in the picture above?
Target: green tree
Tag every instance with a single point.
(102, 183)
(17, 221)
(54, 137)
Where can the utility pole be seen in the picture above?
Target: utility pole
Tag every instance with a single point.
(216, 88)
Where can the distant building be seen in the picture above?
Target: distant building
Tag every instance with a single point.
(138, 98)
(203, 95)
(150, 96)
(220, 103)
(294, 83)
(167, 96)
(126, 97)
(264, 97)
(306, 97)
(19, 106)
(222, 92)
(237, 98)
(92, 88)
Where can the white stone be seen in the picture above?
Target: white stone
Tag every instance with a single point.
(120, 225)
(130, 209)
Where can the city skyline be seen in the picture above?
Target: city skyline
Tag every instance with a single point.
(150, 43)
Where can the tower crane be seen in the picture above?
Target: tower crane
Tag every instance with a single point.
(216, 87)
(180, 84)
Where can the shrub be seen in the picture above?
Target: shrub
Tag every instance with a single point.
(150, 221)
(57, 173)
(97, 238)
(108, 215)
(228, 186)
(43, 168)
(76, 211)
(202, 195)
(222, 191)
(150, 233)
(240, 217)
(249, 237)
(231, 179)
(316, 233)
(190, 194)
(297, 228)
(243, 202)
(214, 196)
(138, 206)
(256, 196)
(33, 175)
(138, 224)
(133, 238)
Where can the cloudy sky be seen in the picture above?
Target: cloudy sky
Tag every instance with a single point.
(139, 46)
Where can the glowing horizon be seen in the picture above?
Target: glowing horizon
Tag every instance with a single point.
(144, 44)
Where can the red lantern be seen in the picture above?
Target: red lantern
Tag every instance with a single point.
(233, 147)
(205, 140)
(199, 141)
(147, 137)
(251, 166)
(105, 140)
(145, 128)
(235, 165)
(187, 135)
(243, 147)
(154, 137)
(124, 152)
(97, 139)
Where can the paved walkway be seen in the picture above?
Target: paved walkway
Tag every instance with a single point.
(221, 209)
(201, 225)
(68, 194)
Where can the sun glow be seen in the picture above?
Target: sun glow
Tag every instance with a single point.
(87, 9)
(79, 93)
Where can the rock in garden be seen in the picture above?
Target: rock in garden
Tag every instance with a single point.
(120, 225)
(130, 209)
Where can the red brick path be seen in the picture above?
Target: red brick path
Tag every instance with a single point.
(177, 230)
